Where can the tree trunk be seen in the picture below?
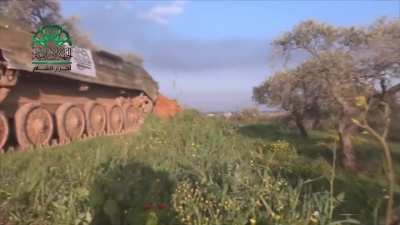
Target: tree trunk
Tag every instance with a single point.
(316, 112)
(316, 123)
(347, 129)
(300, 125)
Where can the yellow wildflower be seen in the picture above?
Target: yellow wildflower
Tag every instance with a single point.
(276, 216)
(314, 217)
(361, 102)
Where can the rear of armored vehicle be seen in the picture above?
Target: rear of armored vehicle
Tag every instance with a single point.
(101, 94)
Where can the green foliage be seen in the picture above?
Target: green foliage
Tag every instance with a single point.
(171, 171)
(342, 63)
(249, 197)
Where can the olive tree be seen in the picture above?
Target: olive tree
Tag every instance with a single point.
(32, 12)
(35, 13)
(290, 90)
(342, 63)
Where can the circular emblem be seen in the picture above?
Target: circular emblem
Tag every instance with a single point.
(51, 35)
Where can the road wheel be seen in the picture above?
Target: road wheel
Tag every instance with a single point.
(96, 118)
(131, 116)
(70, 122)
(33, 125)
(147, 105)
(4, 131)
(115, 119)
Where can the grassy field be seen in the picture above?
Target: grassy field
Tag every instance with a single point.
(194, 170)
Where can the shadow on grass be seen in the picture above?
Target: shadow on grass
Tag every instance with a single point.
(363, 191)
(367, 150)
(132, 194)
(312, 147)
(270, 131)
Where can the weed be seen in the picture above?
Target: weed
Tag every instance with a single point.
(189, 170)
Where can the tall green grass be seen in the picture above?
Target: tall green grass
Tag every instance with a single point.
(190, 170)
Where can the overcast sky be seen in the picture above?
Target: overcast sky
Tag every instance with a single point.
(210, 54)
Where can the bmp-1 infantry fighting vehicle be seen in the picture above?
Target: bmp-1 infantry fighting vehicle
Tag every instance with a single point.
(47, 97)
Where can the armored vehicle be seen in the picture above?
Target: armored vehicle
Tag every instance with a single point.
(99, 93)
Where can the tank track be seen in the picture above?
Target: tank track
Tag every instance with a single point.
(34, 126)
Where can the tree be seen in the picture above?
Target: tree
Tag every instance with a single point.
(35, 13)
(289, 90)
(342, 63)
(377, 48)
(340, 82)
(32, 12)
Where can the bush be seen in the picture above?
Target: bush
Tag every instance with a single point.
(246, 115)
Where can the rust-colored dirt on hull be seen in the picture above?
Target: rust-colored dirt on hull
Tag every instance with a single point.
(45, 112)
(41, 107)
